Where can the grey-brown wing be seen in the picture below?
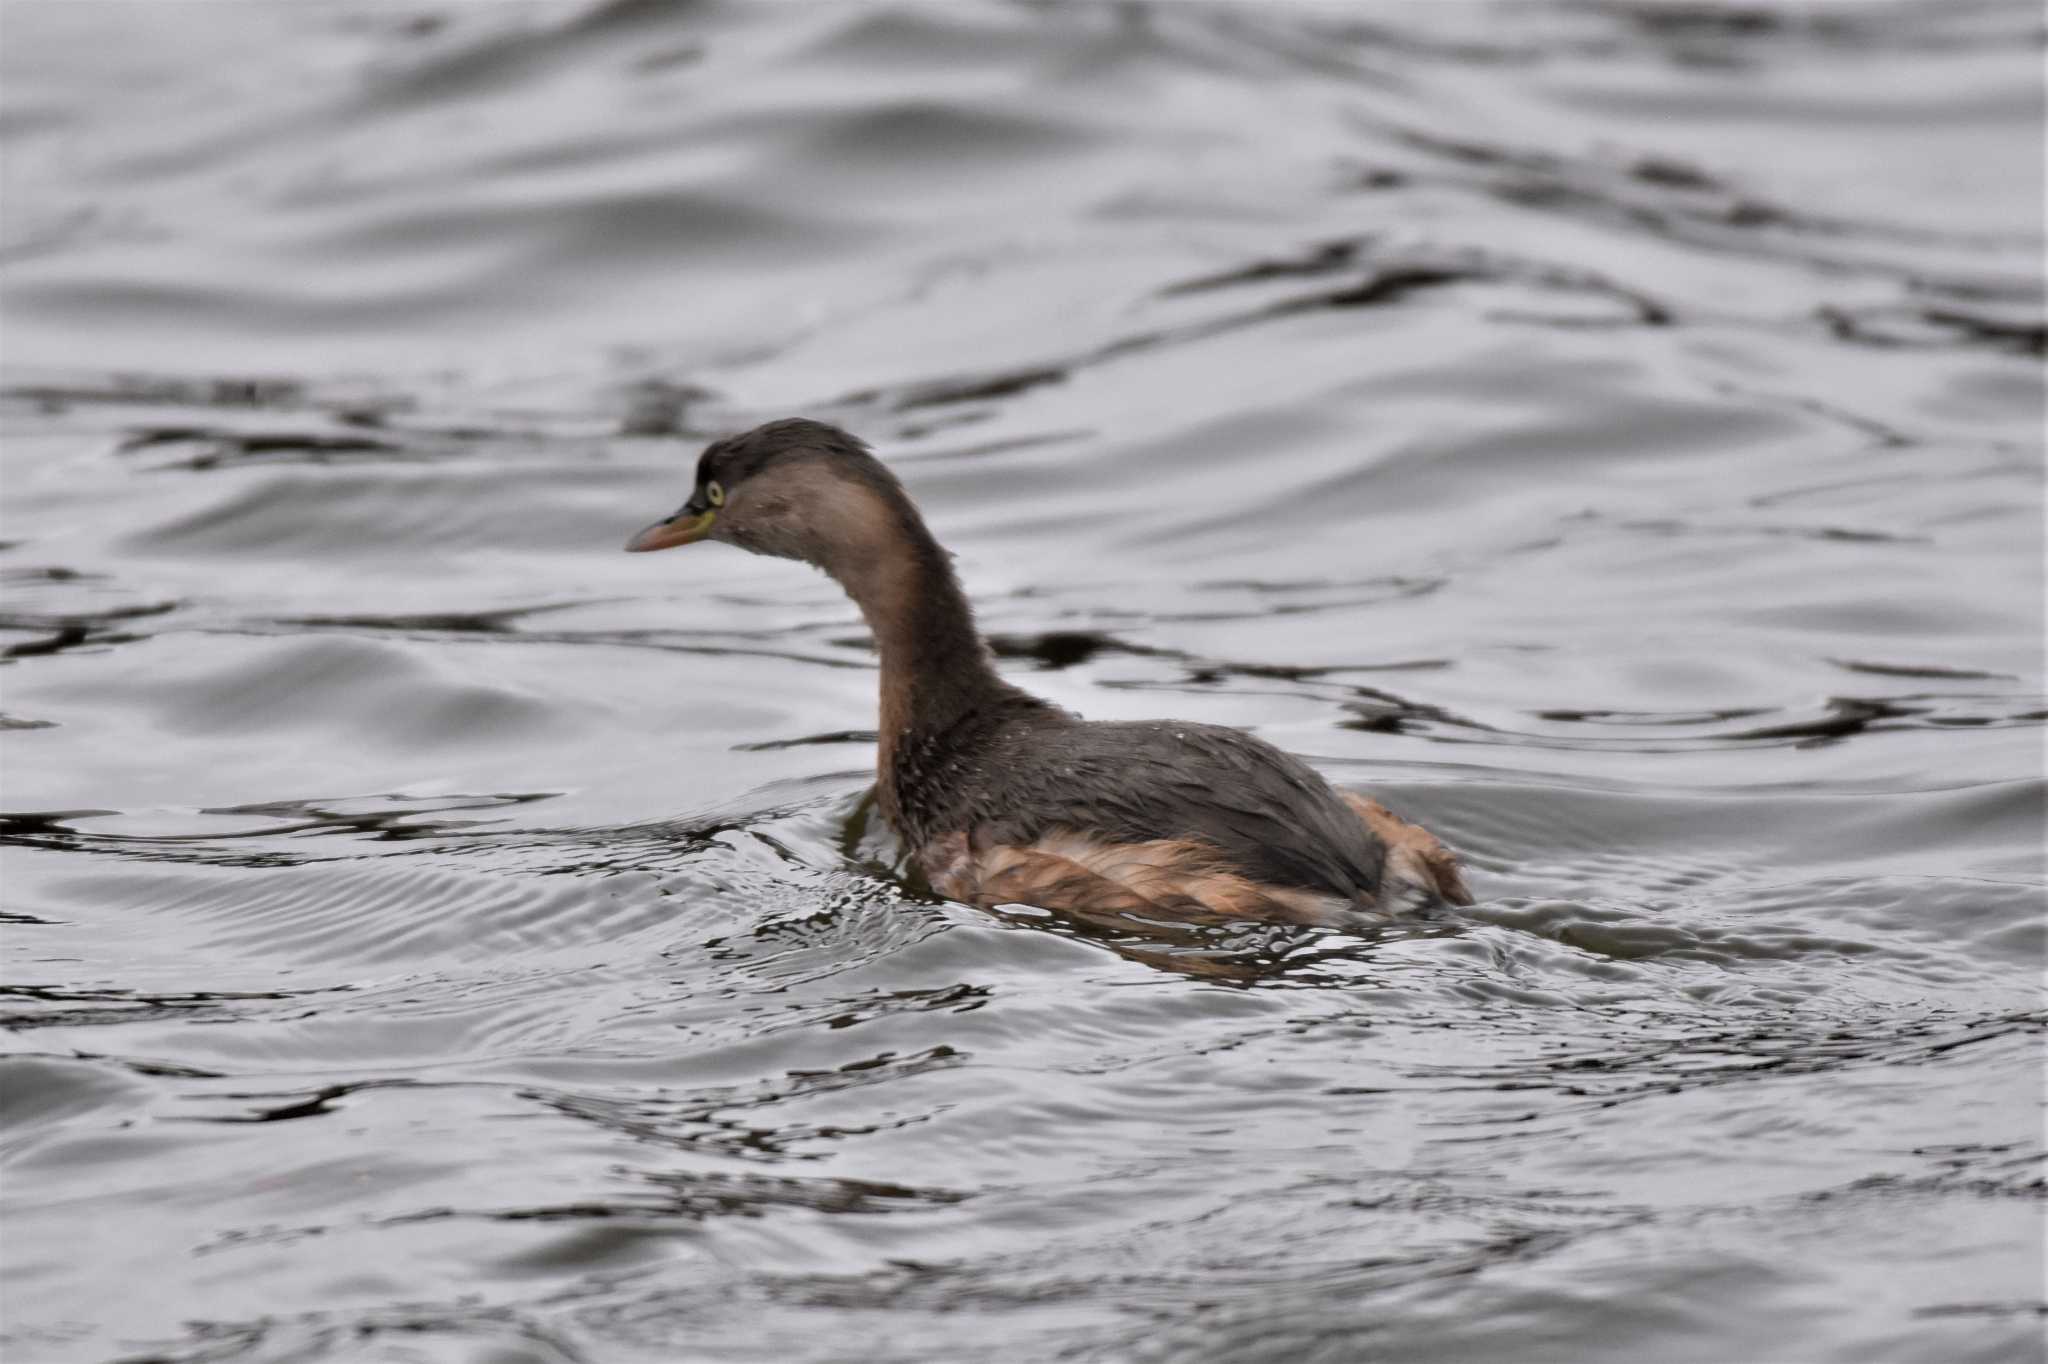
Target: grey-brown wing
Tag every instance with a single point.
(1270, 815)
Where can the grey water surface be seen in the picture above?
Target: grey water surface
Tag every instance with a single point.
(1611, 433)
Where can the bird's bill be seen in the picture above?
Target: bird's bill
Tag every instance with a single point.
(685, 527)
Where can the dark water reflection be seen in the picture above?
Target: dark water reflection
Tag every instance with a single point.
(1610, 432)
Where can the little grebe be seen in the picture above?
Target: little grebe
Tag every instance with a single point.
(1003, 798)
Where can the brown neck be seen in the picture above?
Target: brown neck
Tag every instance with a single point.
(935, 668)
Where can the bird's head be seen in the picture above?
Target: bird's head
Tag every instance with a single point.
(795, 489)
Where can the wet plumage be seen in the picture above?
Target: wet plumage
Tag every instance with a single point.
(1001, 797)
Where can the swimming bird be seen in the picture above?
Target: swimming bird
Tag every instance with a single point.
(1001, 797)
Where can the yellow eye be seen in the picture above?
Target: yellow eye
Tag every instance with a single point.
(714, 493)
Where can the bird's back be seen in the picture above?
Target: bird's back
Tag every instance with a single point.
(1271, 819)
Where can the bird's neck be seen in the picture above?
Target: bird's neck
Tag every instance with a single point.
(935, 668)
